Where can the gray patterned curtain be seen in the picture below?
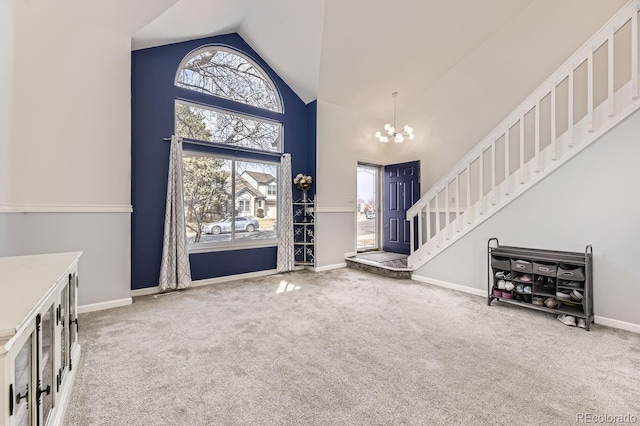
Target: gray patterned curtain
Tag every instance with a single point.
(285, 217)
(175, 271)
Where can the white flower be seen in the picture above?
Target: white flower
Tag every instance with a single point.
(302, 182)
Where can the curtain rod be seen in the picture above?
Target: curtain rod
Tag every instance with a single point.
(228, 147)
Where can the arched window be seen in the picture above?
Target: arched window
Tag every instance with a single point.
(222, 189)
(222, 72)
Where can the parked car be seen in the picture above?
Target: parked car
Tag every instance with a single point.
(370, 214)
(243, 223)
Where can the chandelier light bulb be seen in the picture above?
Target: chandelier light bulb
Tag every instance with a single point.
(390, 130)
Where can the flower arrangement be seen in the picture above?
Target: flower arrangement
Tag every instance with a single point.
(302, 182)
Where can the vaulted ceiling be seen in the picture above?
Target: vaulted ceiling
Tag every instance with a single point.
(353, 53)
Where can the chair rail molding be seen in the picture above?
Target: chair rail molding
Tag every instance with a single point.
(65, 208)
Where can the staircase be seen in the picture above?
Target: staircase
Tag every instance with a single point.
(585, 98)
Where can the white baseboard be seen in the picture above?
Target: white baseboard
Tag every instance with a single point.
(104, 305)
(329, 267)
(208, 281)
(617, 324)
(635, 328)
(350, 254)
(452, 286)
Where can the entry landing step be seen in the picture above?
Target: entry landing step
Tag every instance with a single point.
(393, 265)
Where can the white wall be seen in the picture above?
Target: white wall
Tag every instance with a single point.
(71, 102)
(6, 52)
(344, 138)
(581, 203)
(104, 239)
(481, 90)
(69, 134)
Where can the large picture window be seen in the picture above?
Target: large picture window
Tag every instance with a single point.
(222, 201)
(230, 200)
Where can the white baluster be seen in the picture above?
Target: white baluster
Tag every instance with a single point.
(590, 91)
(634, 55)
(447, 230)
(469, 191)
(481, 182)
(570, 112)
(411, 240)
(438, 218)
(610, 74)
(506, 162)
(493, 172)
(536, 161)
(419, 230)
(458, 218)
(521, 171)
(428, 225)
(554, 144)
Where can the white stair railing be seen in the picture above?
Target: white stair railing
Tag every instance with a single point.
(490, 181)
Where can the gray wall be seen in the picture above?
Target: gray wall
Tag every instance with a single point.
(592, 199)
(103, 237)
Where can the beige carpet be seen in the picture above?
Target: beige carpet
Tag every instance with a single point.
(344, 347)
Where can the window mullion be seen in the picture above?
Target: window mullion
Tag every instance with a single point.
(233, 200)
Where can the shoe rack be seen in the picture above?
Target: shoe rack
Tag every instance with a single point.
(558, 282)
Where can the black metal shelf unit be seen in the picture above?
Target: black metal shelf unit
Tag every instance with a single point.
(539, 275)
(304, 233)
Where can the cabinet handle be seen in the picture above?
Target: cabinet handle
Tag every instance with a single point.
(46, 390)
(20, 397)
(11, 399)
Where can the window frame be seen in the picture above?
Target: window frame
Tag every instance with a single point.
(244, 56)
(233, 244)
(239, 114)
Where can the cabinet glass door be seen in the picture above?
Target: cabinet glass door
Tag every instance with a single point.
(45, 365)
(73, 282)
(63, 329)
(22, 368)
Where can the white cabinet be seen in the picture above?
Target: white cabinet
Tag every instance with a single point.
(38, 337)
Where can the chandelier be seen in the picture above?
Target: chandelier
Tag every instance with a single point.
(391, 132)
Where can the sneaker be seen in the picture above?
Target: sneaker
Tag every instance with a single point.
(550, 282)
(508, 285)
(500, 275)
(582, 323)
(525, 278)
(567, 320)
(527, 289)
(501, 284)
(576, 295)
(520, 288)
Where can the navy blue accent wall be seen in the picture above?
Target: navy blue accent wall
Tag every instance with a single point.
(153, 95)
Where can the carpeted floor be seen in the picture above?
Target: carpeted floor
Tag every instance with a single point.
(344, 347)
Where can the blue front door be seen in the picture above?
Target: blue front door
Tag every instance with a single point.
(401, 191)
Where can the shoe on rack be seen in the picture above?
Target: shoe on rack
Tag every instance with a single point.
(527, 289)
(501, 284)
(576, 295)
(525, 278)
(508, 285)
(567, 320)
(520, 288)
(550, 282)
(500, 275)
(582, 323)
